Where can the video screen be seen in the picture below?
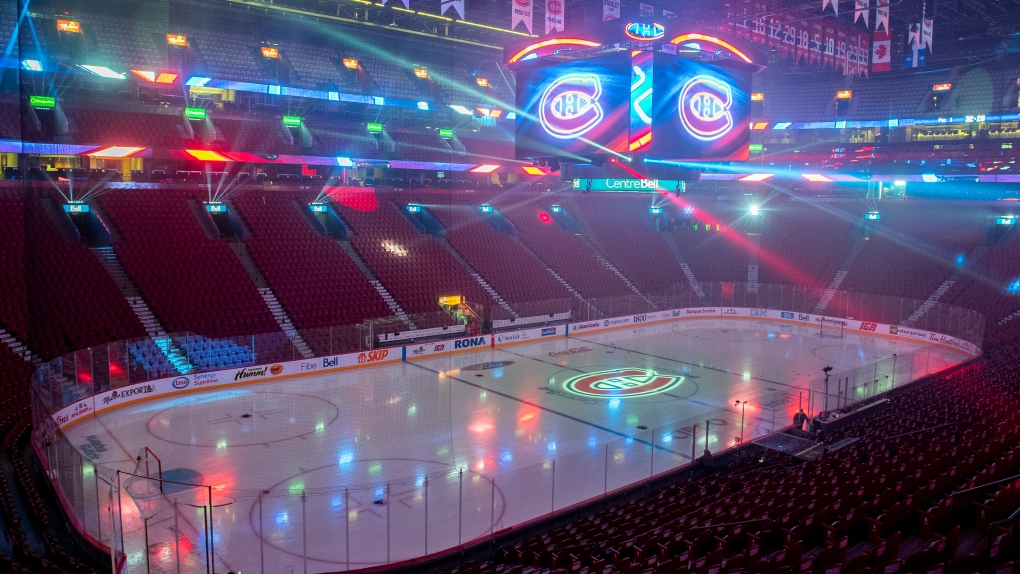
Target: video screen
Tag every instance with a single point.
(701, 111)
(573, 109)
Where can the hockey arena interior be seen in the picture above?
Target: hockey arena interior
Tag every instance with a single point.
(510, 286)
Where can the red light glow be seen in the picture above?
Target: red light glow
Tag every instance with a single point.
(544, 217)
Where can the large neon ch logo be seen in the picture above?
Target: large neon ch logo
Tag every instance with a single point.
(569, 107)
(704, 108)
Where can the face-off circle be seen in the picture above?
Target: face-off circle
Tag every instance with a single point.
(622, 383)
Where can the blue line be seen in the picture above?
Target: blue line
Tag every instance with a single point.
(564, 415)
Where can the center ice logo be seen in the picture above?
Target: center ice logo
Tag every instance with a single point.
(625, 383)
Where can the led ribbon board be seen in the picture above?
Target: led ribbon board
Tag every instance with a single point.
(621, 383)
(570, 106)
(704, 106)
(641, 101)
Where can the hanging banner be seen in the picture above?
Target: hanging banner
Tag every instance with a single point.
(554, 16)
(862, 8)
(758, 33)
(882, 15)
(456, 5)
(829, 45)
(610, 9)
(863, 53)
(816, 45)
(839, 61)
(406, 3)
(835, 5)
(926, 32)
(914, 36)
(803, 34)
(521, 12)
(881, 52)
(788, 33)
(646, 10)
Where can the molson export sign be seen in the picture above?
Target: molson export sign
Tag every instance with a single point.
(69, 26)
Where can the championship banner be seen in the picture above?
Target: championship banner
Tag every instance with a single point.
(881, 52)
(520, 11)
(839, 60)
(406, 3)
(610, 9)
(554, 15)
(835, 5)
(926, 32)
(803, 44)
(456, 5)
(862, 8)
(882, 15)
(646, 10)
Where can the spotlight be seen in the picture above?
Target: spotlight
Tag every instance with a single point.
(755, 210)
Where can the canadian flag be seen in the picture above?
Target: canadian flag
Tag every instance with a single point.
(881, 51)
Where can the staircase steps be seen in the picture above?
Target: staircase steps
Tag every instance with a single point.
(592, 310)
(930, 302)
(609, 265)
(477, 277)
(376, 283)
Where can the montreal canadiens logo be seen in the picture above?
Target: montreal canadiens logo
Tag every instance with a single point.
(554, 7)
(524, 3)
(705, 108)
(626, 383)
(569, 107)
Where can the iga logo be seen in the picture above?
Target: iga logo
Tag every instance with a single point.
(569, 107)
(704, 108)
(869, 327)
(626, 383)
(180, 383)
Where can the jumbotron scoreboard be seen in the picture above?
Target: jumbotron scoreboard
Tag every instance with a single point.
(631, 92)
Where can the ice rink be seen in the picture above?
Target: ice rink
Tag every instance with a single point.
(362, 467)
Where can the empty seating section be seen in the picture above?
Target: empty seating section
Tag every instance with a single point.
(895, 499)
(715, 254)
(561, 248)
(192, 283)
(127, 44)
(413, 266)
(315, 280)
(147, 361)
(14, 302)
(316, 68)
(804, 244)
(229, 56)
(623, 230)
(10, 120)
(80, 306)
(983, 288)
(515, 274)
(253, 135)
(211, 354)
(115, 127)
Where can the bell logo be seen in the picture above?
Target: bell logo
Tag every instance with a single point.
(626, 383)
(704, 108)
(569, 107)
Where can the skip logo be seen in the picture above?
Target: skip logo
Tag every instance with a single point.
(704, 108)
(569, 107)
(469, 343)
(372, 356)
